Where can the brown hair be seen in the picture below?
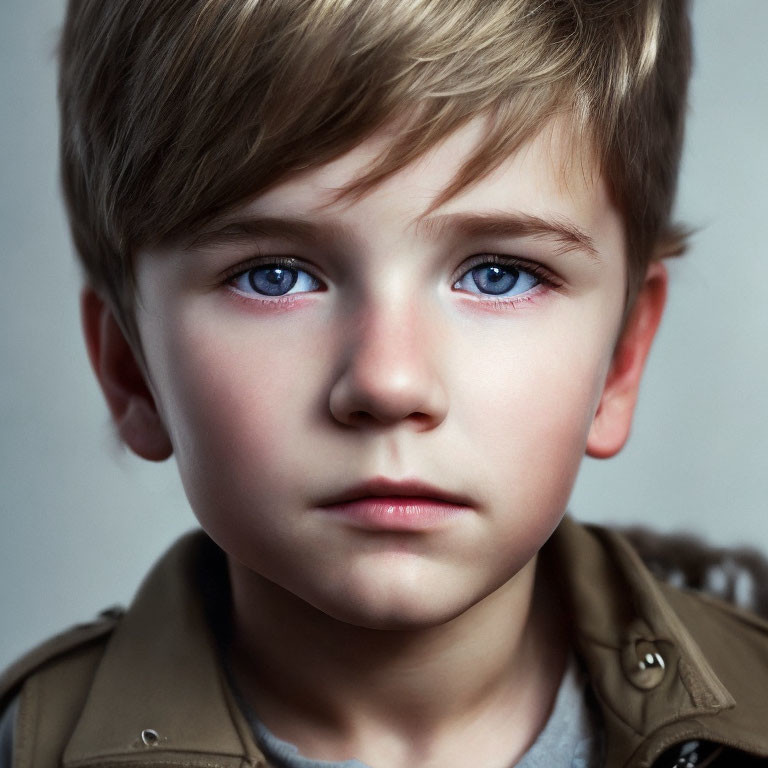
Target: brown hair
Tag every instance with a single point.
(174, 111)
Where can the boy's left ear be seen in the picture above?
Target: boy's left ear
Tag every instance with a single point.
(611, 424)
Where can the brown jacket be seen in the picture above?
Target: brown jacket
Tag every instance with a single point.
(145, 689)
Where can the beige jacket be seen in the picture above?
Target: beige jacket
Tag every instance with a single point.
(145, 688)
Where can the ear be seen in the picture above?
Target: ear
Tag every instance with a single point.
(610, 427)
(122, 380)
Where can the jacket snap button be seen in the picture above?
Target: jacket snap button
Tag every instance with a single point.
(647, 669)
(150, 737)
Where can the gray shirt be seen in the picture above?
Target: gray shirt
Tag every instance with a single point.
(570, 738)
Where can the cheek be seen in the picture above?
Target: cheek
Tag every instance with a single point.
(528, 407)
(234, 404)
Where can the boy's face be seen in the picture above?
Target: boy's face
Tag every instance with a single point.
(395, 353)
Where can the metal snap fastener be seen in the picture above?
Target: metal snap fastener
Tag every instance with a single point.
(150, 737)
(646, 670)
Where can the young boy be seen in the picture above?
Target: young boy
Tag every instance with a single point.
(378, 274)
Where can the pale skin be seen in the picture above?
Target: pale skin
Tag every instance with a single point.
(437, 647)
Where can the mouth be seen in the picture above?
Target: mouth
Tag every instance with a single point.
(382, 504)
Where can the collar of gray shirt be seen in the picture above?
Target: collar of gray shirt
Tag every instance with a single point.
(570, 738)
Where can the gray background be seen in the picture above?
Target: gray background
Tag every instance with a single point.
(81, 521)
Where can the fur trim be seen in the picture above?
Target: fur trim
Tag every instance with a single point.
(736, 575)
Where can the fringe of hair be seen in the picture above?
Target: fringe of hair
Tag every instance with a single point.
(175, 111)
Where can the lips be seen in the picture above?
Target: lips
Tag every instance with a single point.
(409, 488)
(388, 505)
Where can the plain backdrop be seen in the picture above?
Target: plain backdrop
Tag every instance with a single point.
(81, 521)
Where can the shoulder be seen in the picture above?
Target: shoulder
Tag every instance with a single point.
(720, 594)
(89, 689)
(669, 631)
(192, 567)
(61, 669)
(76, 641)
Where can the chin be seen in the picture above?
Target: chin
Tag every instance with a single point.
(392, 619)
(391, 608)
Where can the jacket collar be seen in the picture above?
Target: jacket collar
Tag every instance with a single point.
(714, 673)
(161, 671)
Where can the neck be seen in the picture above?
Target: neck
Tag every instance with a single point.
(498, 660)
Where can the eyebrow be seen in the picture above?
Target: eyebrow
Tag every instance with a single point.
(245, 228)
(568, 235)
(499, 224)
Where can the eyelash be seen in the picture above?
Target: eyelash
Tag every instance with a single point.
(543, 276)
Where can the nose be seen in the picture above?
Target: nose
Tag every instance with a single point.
(388, 372)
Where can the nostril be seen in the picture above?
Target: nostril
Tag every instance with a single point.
(383, 419)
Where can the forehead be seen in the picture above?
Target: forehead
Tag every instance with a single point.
(551, 182)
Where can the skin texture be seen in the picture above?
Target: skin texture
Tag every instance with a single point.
(416, 645)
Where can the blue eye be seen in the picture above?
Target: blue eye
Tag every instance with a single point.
(497, 280)
(274, 280)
